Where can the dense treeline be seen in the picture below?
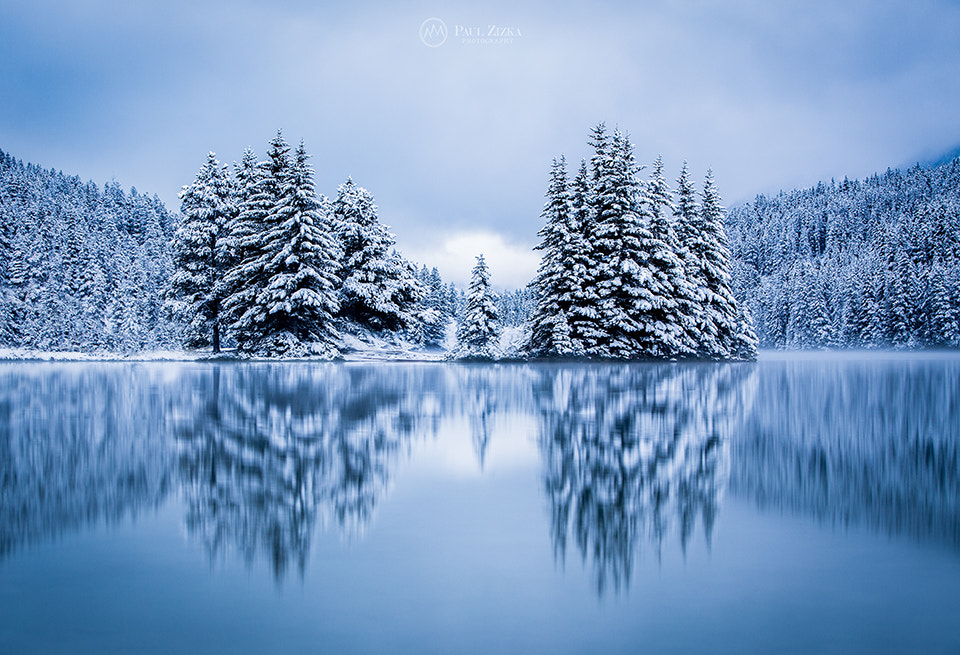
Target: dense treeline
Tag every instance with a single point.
(872, 263)
(82, 267)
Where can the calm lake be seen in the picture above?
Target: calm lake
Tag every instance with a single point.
(806, 504)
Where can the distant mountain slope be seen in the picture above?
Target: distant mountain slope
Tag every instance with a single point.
(81, 267)
(872, 263)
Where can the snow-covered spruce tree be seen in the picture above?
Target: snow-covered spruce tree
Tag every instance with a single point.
(477, 335)
(436, 331)
(676, 315)
(258, 189)
(247, 220)
(635, 294)
(581, 315)
(196, 288)
(287, 305)
(734, 328)
(300, 295)
(595, 310)
(553, 287)
(379, 289)
(703, 332)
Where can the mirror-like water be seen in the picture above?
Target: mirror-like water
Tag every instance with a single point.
(807, 504)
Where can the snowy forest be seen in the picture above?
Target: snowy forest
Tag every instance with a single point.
(258, 261)
(854, 264)
(82, 267)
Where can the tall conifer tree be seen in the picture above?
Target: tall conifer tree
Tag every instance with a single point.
(196, 288)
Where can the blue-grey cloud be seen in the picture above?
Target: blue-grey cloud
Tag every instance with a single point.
(457, 139)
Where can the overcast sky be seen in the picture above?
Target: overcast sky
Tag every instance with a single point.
(455, 141)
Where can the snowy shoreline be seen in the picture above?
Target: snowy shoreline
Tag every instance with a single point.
(360, 352)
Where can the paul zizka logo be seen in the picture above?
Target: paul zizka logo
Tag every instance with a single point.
(433, 32)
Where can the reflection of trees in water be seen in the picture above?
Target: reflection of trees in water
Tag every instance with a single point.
(79, 444)
(858, 442)
(268, 451)
(634, 452)
(483, 392)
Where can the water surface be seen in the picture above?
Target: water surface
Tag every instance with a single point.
(802, 504)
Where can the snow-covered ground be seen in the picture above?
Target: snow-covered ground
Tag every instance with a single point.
(20, 354)
(369, 347)
(363, 347)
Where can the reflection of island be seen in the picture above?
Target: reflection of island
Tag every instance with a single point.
(80, 444)
(270, 450)
(869, 443)
(634, 452)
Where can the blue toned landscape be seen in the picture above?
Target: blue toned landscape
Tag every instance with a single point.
(804, 503)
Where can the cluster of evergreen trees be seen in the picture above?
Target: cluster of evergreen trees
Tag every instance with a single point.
(872, 263)
(260, 254)
(82, 267)
(628, 271)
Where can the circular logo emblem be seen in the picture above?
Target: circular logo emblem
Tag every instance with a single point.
(433, 32)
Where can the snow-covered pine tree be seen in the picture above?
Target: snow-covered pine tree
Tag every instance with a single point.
(553, 287)
(258, 193)
(281, 286)
(581, 315)
(379, 289)
(734, 329)
(672, 314)
(436, 330)
(704, 332)
(477, 336)
(634, 291)
(595, 310)
(299, 262)
(247, 219)
(259, 197)
(195, 294)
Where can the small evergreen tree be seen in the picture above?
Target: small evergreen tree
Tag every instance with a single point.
(477, 336)
(664, 299)
(581, 315)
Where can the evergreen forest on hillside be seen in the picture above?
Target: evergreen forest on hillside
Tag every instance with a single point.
(853, 264)
(82, 267)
